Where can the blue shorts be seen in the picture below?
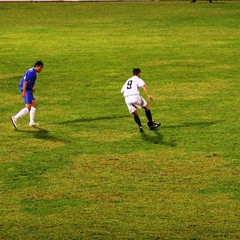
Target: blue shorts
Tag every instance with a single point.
(29, 97)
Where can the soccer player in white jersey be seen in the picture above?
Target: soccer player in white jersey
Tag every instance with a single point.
(26, 88)
(134, 101)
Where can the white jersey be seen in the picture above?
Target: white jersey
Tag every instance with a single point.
(132, 86)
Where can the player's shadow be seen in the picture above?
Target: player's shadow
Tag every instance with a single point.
(79, 120)
(39, 133)
(36, 129)
(157, 138)
(192, 124)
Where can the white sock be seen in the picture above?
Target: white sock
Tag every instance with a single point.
(23, 112)
(32, 114)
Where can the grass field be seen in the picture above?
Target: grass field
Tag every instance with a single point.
(86, 172)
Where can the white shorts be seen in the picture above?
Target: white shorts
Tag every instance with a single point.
(134, 102)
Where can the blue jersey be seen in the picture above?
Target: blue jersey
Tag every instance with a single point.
(29, 77)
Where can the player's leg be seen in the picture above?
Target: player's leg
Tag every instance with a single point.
(24, 111)
(137, 120)
(151, 124)
(20, 114)
(148, 114)
(32, 113)
(131, 103)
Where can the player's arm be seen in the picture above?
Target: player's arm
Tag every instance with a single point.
(147, 92)
(123, 89)
(23, 94)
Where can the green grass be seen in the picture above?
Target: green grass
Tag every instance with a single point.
(86, 172)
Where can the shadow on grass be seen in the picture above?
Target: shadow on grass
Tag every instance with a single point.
(40, 133)
(40, 130)
(192, 124)
(157, 139)
(91, 119)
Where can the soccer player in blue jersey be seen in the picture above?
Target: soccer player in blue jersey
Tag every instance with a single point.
(26, 87)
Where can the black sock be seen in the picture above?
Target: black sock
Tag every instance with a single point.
(137, 120)
(149, 116)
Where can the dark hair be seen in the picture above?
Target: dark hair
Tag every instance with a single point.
(38, 63)
(136, 71)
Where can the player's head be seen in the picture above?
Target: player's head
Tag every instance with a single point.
(136, 71)
(38, 66)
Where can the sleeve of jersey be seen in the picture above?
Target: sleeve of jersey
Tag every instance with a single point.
(141, 83)
(28, 76)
